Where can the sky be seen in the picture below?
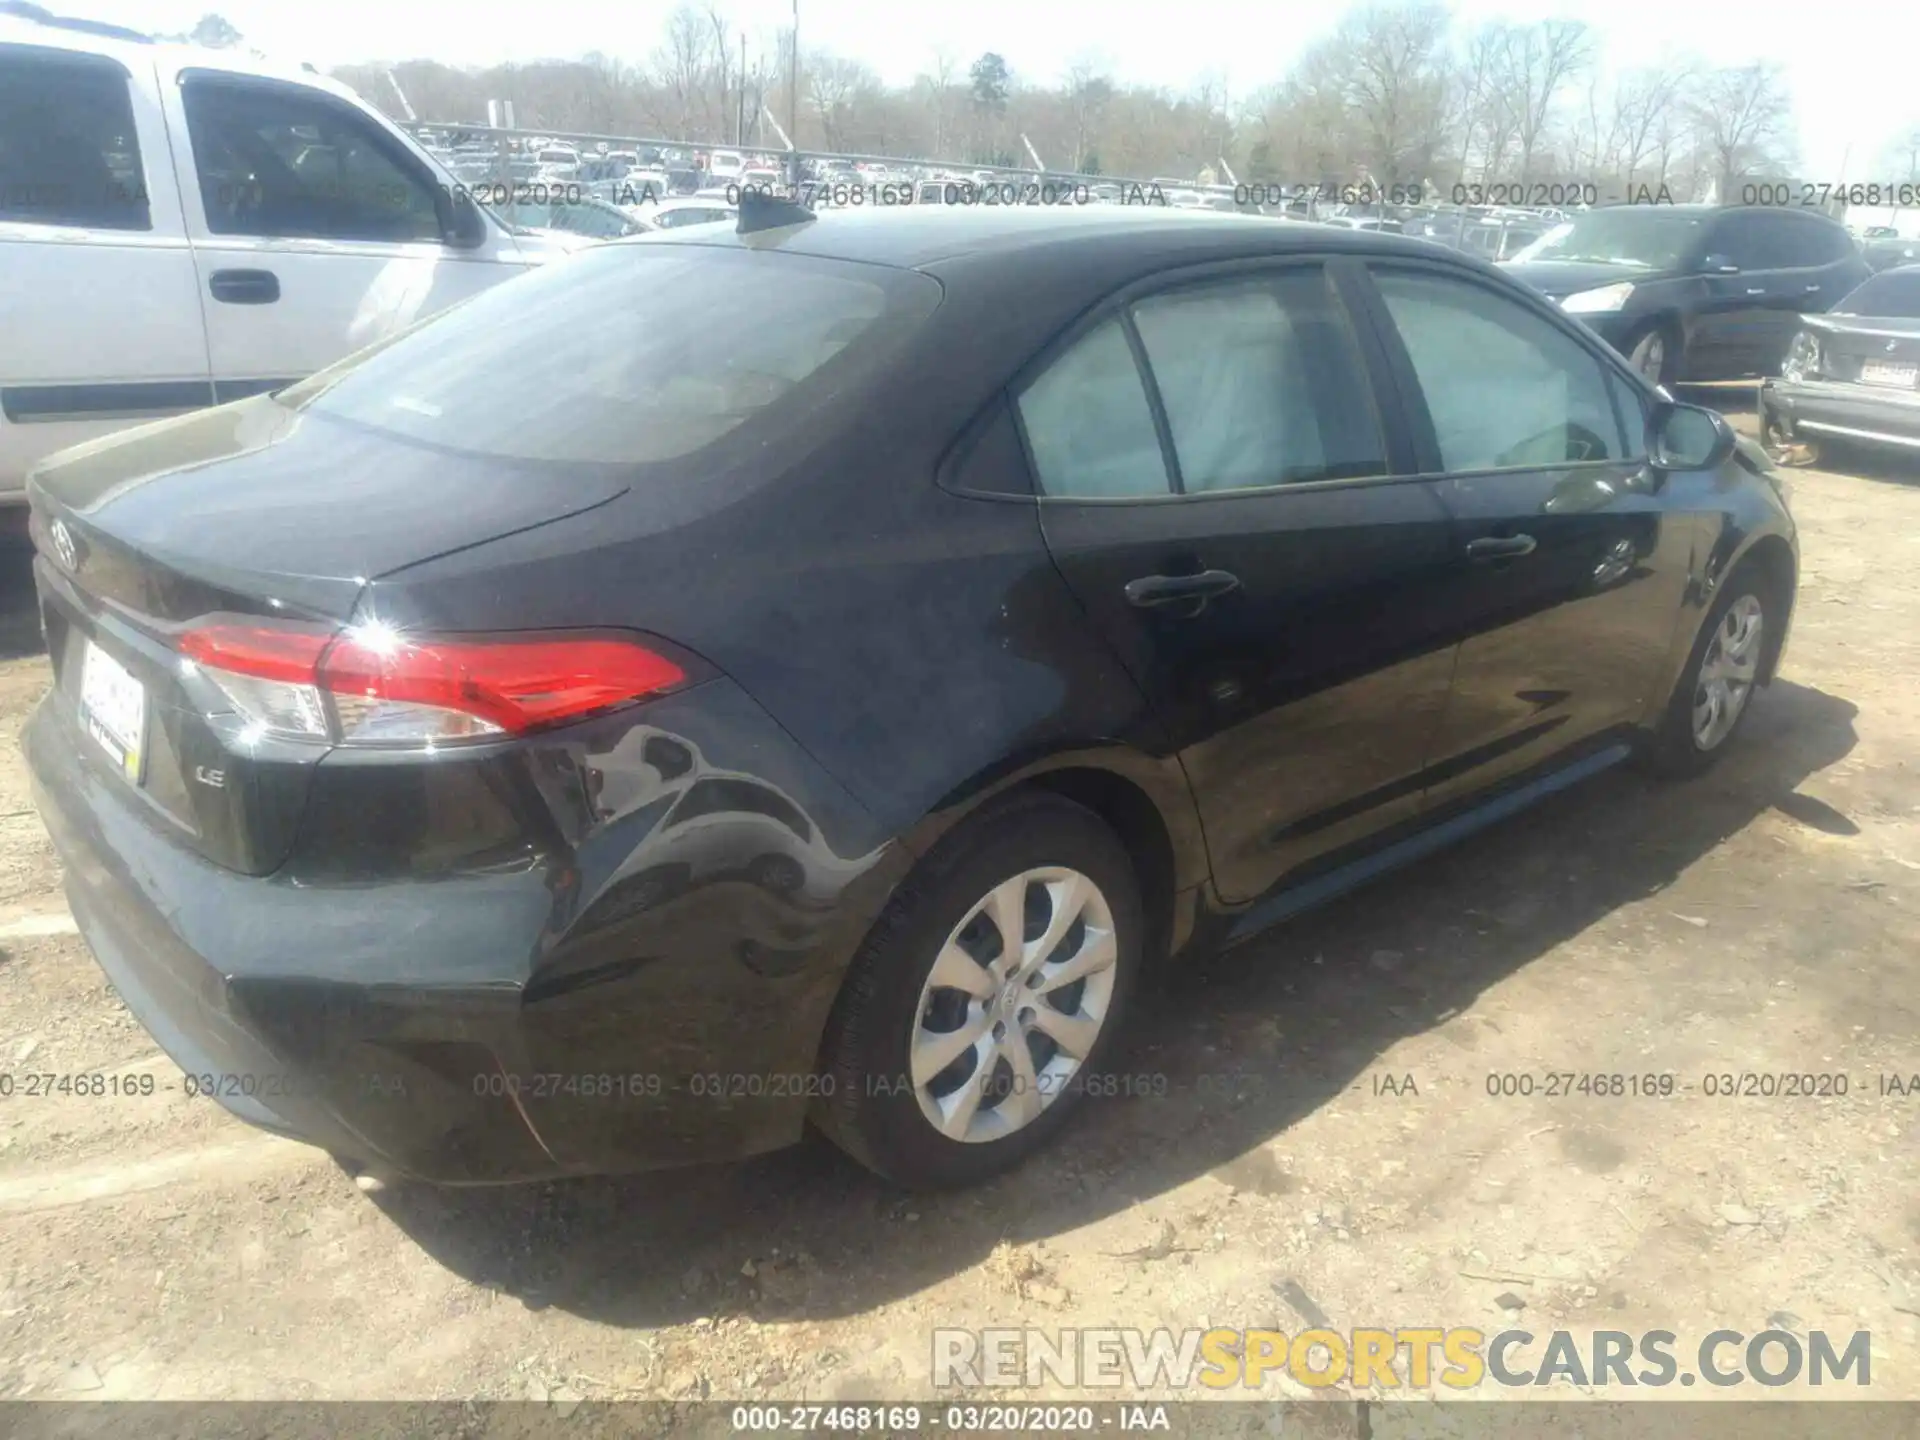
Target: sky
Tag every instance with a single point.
(1846, 62)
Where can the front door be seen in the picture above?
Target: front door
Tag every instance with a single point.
(1221, 493)
(315, 233)
(99, 323)
(1567, 566)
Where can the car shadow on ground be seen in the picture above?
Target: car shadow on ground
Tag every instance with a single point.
(1249, 1041)
(1865, 462)
(19, 610)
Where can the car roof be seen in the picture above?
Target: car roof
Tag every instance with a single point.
(911, 236)
(133, 51)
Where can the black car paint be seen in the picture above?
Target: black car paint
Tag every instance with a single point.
(1720, 324)
(501, 962)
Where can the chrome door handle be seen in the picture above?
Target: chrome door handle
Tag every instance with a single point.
(1152, 590)
(1813, 290)
(1500, 547)
(1760, 291)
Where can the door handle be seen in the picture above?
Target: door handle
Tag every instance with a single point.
(244, 287)
(1500, 547)
(1757, 290)
(1151, 590)
(1813, 290)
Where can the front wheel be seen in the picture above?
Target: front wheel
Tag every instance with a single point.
(1716, 689)
(986, 998)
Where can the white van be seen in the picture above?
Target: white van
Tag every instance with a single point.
(182, 227)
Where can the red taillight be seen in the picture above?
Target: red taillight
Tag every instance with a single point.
(373, 685)
(267, 652)
(517, 684)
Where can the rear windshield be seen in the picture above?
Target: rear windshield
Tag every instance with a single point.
(1894, 295)
(629, 354)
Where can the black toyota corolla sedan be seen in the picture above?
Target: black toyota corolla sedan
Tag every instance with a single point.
(1852, 375)
(541, 746)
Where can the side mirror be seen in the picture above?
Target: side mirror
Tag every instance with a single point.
(1687, 437)
(462, 226)
(1719, 265)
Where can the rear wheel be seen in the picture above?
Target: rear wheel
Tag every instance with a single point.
(986, 997)
(1716, 689)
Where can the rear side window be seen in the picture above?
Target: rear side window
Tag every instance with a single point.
(1739, 240)
(68, 152)
(1829, 243)
(1893, 294)
(1089, 424)
(1506, 388)
(275, 160)
(1262, 384)
(1789, 242)
(532, 370)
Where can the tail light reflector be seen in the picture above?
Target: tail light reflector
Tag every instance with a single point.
(373, 685)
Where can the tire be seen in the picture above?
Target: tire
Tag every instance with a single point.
(1640, 354)
(1780, 449)
(877, 1108)
(1679, 750)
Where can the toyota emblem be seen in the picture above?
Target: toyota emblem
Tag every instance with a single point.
(63, 545)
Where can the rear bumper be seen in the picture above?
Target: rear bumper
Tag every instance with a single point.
(475, 1028)
(1815, 409)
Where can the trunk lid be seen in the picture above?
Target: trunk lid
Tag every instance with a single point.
(282, 510)
(251, 509)
(1851, 343)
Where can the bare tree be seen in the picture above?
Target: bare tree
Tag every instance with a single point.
(1903, 155)
(1089, 91)
(1534, 64)
(1646, 104)
(840, 90)
(1396, 85)
(941, 74)
(1391, 93)
(1744, 119)
(1491, 116)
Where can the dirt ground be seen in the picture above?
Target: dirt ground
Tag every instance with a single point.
(1766, 918)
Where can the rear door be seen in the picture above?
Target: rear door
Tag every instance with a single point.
(1221, 491)
(1819, 266)
(99, 322)
(315, 232)
(1567, 566)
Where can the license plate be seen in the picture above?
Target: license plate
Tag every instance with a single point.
(1879, 372)
(113, 707)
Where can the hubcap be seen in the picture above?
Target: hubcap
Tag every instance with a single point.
(1015, 1001)
(1727, 672)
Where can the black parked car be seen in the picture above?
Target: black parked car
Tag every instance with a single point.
(1885, 252)
(510, 754)
(1695, 292)
(1851, 375)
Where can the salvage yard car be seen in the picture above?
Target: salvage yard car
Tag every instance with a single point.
(1852, 375)
(1695, 292)
(180, 227)
(1074, 586)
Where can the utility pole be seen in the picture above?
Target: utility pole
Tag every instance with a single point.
(793, 97)
(740, 120)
